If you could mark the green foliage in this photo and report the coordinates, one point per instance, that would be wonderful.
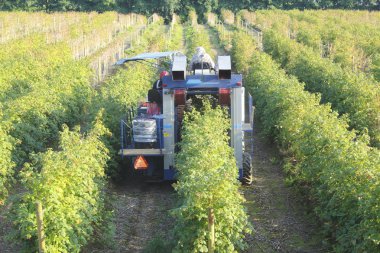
(376, 66)
(353, 94)
(46, 90)
(197, 36)
(243, 46)
(227, 16)
(25, 63)
(158, 245)
(61, 95)
(69, 179)
(6, 163)
(43, 89)
(192, 16)
(339, 169)
(349, 38)
(207, 178)
(167, 7)
(152, 40)
(69, 183)
(59, 5)
(176, 41)
(225, 35)
(352, 46)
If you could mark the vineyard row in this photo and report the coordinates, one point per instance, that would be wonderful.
(338, 169)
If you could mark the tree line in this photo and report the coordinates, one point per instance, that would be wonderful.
(167, 7)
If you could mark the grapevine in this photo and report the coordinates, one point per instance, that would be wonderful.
(323, 155)
(207, 179)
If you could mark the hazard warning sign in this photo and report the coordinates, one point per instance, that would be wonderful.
(141, 163)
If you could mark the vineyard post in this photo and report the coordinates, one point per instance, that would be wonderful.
(59, 26)
(40, 228)
(99, 69)
(103, 71)
(211, 230)
(138, 36)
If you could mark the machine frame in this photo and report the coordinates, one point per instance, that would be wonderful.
(175, 88)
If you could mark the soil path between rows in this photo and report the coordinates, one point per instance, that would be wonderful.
(141, 214)
(6, 245)
(281, 218)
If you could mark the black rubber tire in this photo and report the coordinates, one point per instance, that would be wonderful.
(247, 169)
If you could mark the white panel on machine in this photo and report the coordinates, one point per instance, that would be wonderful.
(237, 123)
(224, 67)
(242, 104)
(179, 68)
(168, 128)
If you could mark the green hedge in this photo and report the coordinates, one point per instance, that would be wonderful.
(69, 177)
(197, 36)
(69, 183)
(349, 93)
(339, 168)
(43, 88)
(207, 179)
(6, 163)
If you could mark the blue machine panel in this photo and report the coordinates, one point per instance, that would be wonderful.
(205, 81)
(169, 174)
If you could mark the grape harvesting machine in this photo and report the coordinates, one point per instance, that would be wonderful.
(149, 134)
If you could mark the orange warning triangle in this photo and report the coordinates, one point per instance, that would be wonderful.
(141, 163)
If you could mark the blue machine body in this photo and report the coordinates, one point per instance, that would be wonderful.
(168, 122)
(202, 82)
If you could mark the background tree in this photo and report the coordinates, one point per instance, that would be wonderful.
(167, 7)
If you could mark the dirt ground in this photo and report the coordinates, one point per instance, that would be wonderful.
(141, 213)
(5, 226)
(282, 221)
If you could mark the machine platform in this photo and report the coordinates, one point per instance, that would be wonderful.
(144, 152)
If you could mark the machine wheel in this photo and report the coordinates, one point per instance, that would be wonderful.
(247, 169)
